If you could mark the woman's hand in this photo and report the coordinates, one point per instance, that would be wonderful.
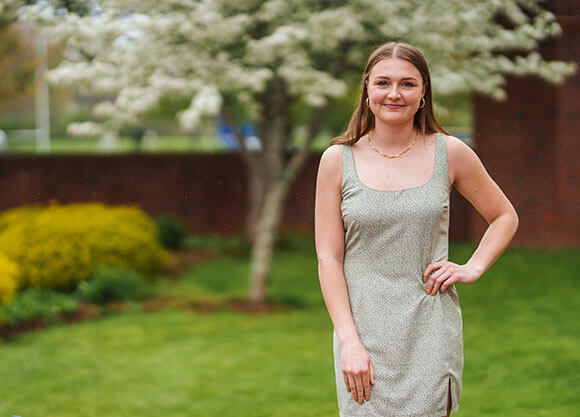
(444, 273)
(357, 370)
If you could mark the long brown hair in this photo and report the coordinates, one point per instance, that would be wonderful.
(363, 119)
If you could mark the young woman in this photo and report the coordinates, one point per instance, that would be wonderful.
(381, 220)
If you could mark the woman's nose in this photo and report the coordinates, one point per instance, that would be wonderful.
(393, 92)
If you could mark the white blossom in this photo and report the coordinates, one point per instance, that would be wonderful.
(207, 101)
(104, 109)
(85, 129)
(206, 50)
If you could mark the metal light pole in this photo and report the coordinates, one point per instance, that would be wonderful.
(41, 96)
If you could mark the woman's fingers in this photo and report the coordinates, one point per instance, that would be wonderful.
(359, 388)
(442, 274)
(446, 273)
(430, 268)
(438, 281)
(346, 381)
(432, 278)
(359, 385)
(448, 282)
(353, 388)
(372, 373)
(367, 386)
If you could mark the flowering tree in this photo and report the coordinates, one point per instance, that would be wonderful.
(257, 59)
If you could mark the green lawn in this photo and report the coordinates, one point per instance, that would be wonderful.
(521, 331)
(176, 144)
(67, 145)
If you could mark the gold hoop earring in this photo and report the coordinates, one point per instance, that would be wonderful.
(368, 103)
(422, 102)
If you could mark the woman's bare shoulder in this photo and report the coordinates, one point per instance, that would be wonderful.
(333, 152)
(330, 167)
(456, 146)
(458, 152)
(461, 159)
(332, 156)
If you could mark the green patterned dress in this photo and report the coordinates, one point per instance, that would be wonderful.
(413, 339)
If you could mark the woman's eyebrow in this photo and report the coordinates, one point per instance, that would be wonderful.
(388, 78)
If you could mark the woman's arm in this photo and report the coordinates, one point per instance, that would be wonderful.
(329, 236)
(469, 177)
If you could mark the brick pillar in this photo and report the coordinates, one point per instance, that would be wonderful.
(530, 145)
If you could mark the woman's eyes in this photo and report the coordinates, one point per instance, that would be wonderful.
(405, 84)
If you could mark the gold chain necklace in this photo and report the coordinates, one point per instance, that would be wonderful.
(390, 156)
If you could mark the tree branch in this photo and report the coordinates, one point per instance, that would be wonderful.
(248, 157)
(297, 160)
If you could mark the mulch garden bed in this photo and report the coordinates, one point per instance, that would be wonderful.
(185, 258)
(87, 311)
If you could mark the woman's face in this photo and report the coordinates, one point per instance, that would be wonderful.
(395, 88)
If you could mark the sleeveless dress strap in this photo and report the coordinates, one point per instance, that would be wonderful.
(348, 169)
(440, 171)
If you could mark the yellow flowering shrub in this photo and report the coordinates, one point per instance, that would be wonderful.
(8, 279)
(57, 246)
(17, 214)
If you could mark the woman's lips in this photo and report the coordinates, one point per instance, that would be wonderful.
(394, 106)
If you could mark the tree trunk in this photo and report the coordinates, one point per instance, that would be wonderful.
(256, 195)
(265, 239)
(270, 176)
(272, 208)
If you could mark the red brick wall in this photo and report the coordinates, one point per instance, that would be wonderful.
(530, 145)
(208, 192)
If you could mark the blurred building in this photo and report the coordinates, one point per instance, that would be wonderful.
(530, 144)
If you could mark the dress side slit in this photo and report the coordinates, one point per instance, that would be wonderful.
(449, 398)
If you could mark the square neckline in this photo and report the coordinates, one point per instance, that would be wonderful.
(436, 158)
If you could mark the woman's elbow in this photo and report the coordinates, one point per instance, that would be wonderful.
(512, 220)
(516, 221)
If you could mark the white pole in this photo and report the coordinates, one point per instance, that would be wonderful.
(41, 97)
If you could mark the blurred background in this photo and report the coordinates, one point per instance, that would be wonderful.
(157, 179)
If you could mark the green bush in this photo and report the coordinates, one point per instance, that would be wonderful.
(59, 245)
(171, 232)
(113, 283)
(32, 303)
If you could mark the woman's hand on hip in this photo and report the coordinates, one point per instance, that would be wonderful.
(357, 370)
(444, 273)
